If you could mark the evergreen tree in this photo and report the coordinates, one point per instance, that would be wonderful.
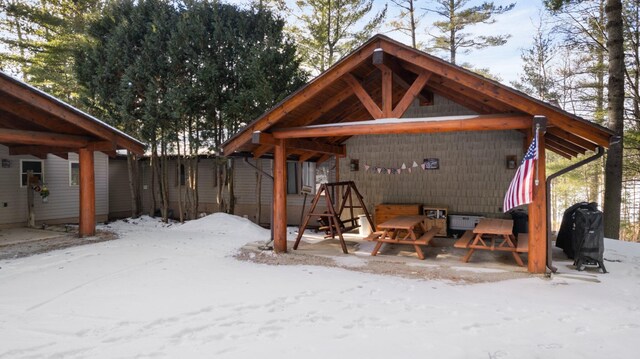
(327, 30)
(407, 20)
(457, 17)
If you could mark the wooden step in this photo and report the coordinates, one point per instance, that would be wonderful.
(374, 236)
(465, 240)
(523, 243)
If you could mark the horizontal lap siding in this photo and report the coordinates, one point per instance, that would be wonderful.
(119, 192)
(63, 199)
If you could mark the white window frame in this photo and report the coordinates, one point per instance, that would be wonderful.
(70, 172)
(21, 171)
(305, 176)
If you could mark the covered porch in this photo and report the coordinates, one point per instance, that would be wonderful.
(387, 89)
(37, 125)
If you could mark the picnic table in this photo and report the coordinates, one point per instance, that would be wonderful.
(403, 230)
(494, 235)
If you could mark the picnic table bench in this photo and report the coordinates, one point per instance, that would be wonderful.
(494, 235)
(402, 230)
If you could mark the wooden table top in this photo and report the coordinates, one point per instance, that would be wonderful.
(494, 226)
(402, 222)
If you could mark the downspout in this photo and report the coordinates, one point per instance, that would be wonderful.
(599, 153)
(266, 246)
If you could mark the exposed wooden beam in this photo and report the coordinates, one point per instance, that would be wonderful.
(501, 93)
(27, 150)
(562, 148)
(68, 114)
(387, 82)
(262, 150)
(567, 136)
(538, 217)
(326, 107)
(322, 159)
(280, 198)
(310, 90)
(363, 95)
(42, 138)
(565, 144)
(412, 125)
(267, 139)
(411, 94)
(558, 151)
(306, 156)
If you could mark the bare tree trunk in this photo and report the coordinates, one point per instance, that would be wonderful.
(220, 168)
(179, 182)
(613, 169)
(134, 185)
(232, 200)
(164, 182)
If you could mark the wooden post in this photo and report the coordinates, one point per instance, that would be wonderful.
(538, 214)
(87, 194)
(31, 213)
(280, 197)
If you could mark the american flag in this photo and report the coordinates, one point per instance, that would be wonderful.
(521, 188)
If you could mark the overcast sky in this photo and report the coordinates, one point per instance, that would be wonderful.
(503, 61)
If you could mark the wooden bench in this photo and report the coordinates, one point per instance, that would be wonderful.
(428, 236)
(374, 236)
(523, 243)
(465, 240)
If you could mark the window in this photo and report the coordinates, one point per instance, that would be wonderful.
(292, 177)
(180, 176)
(74, 173)
(36, 166)
(299, 176)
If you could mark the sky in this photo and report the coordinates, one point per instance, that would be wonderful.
(503, 61)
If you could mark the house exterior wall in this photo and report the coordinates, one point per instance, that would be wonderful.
(472, 178)
(64, 201)
(119, 192)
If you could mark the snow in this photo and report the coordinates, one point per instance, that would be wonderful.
(176, 291)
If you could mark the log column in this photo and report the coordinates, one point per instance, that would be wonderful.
(280, 197)
(87, 193)
(538, 216)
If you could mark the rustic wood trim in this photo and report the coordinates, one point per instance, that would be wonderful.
(306, 156)
(501, 93)
(411, 94)
(564, 144)
(423, 125)
(558, 151)
(280, 198)
(325, 158)
(363, 95)
(567, 136)
(87, 214)
(296, 144)
(387, 92)
(42, 138)
(538, 217)
(310, 90)
(262, 150)
(50, 106)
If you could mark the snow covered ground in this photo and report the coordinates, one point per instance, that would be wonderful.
(176, 292)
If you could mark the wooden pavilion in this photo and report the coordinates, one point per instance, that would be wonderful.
(35, 123)
(369, 91)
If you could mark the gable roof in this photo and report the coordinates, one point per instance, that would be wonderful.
(351, 91)
(34, 122)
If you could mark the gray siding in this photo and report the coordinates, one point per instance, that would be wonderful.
(63, 204)
(119, 192)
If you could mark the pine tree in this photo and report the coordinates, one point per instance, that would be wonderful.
(407, 20)
(457, 17)
(329, 29)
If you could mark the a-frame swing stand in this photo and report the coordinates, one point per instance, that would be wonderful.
(331, 218)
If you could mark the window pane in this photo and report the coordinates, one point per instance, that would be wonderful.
(74, 178)
(292, 178)
(34, 166)
(322, 176)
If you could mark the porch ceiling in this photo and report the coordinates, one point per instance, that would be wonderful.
(35, 123)
(379, 80)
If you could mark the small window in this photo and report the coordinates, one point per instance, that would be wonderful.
(74, 173)
(181, 176)
(292, 178)
(36, 166)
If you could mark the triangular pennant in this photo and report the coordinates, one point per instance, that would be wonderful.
(414, 164)
(388, 171)
(378, 169)
(366, 167)
(424, 166)
(404, 167)
(409, 169)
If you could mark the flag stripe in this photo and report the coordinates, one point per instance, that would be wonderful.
(520, 189)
